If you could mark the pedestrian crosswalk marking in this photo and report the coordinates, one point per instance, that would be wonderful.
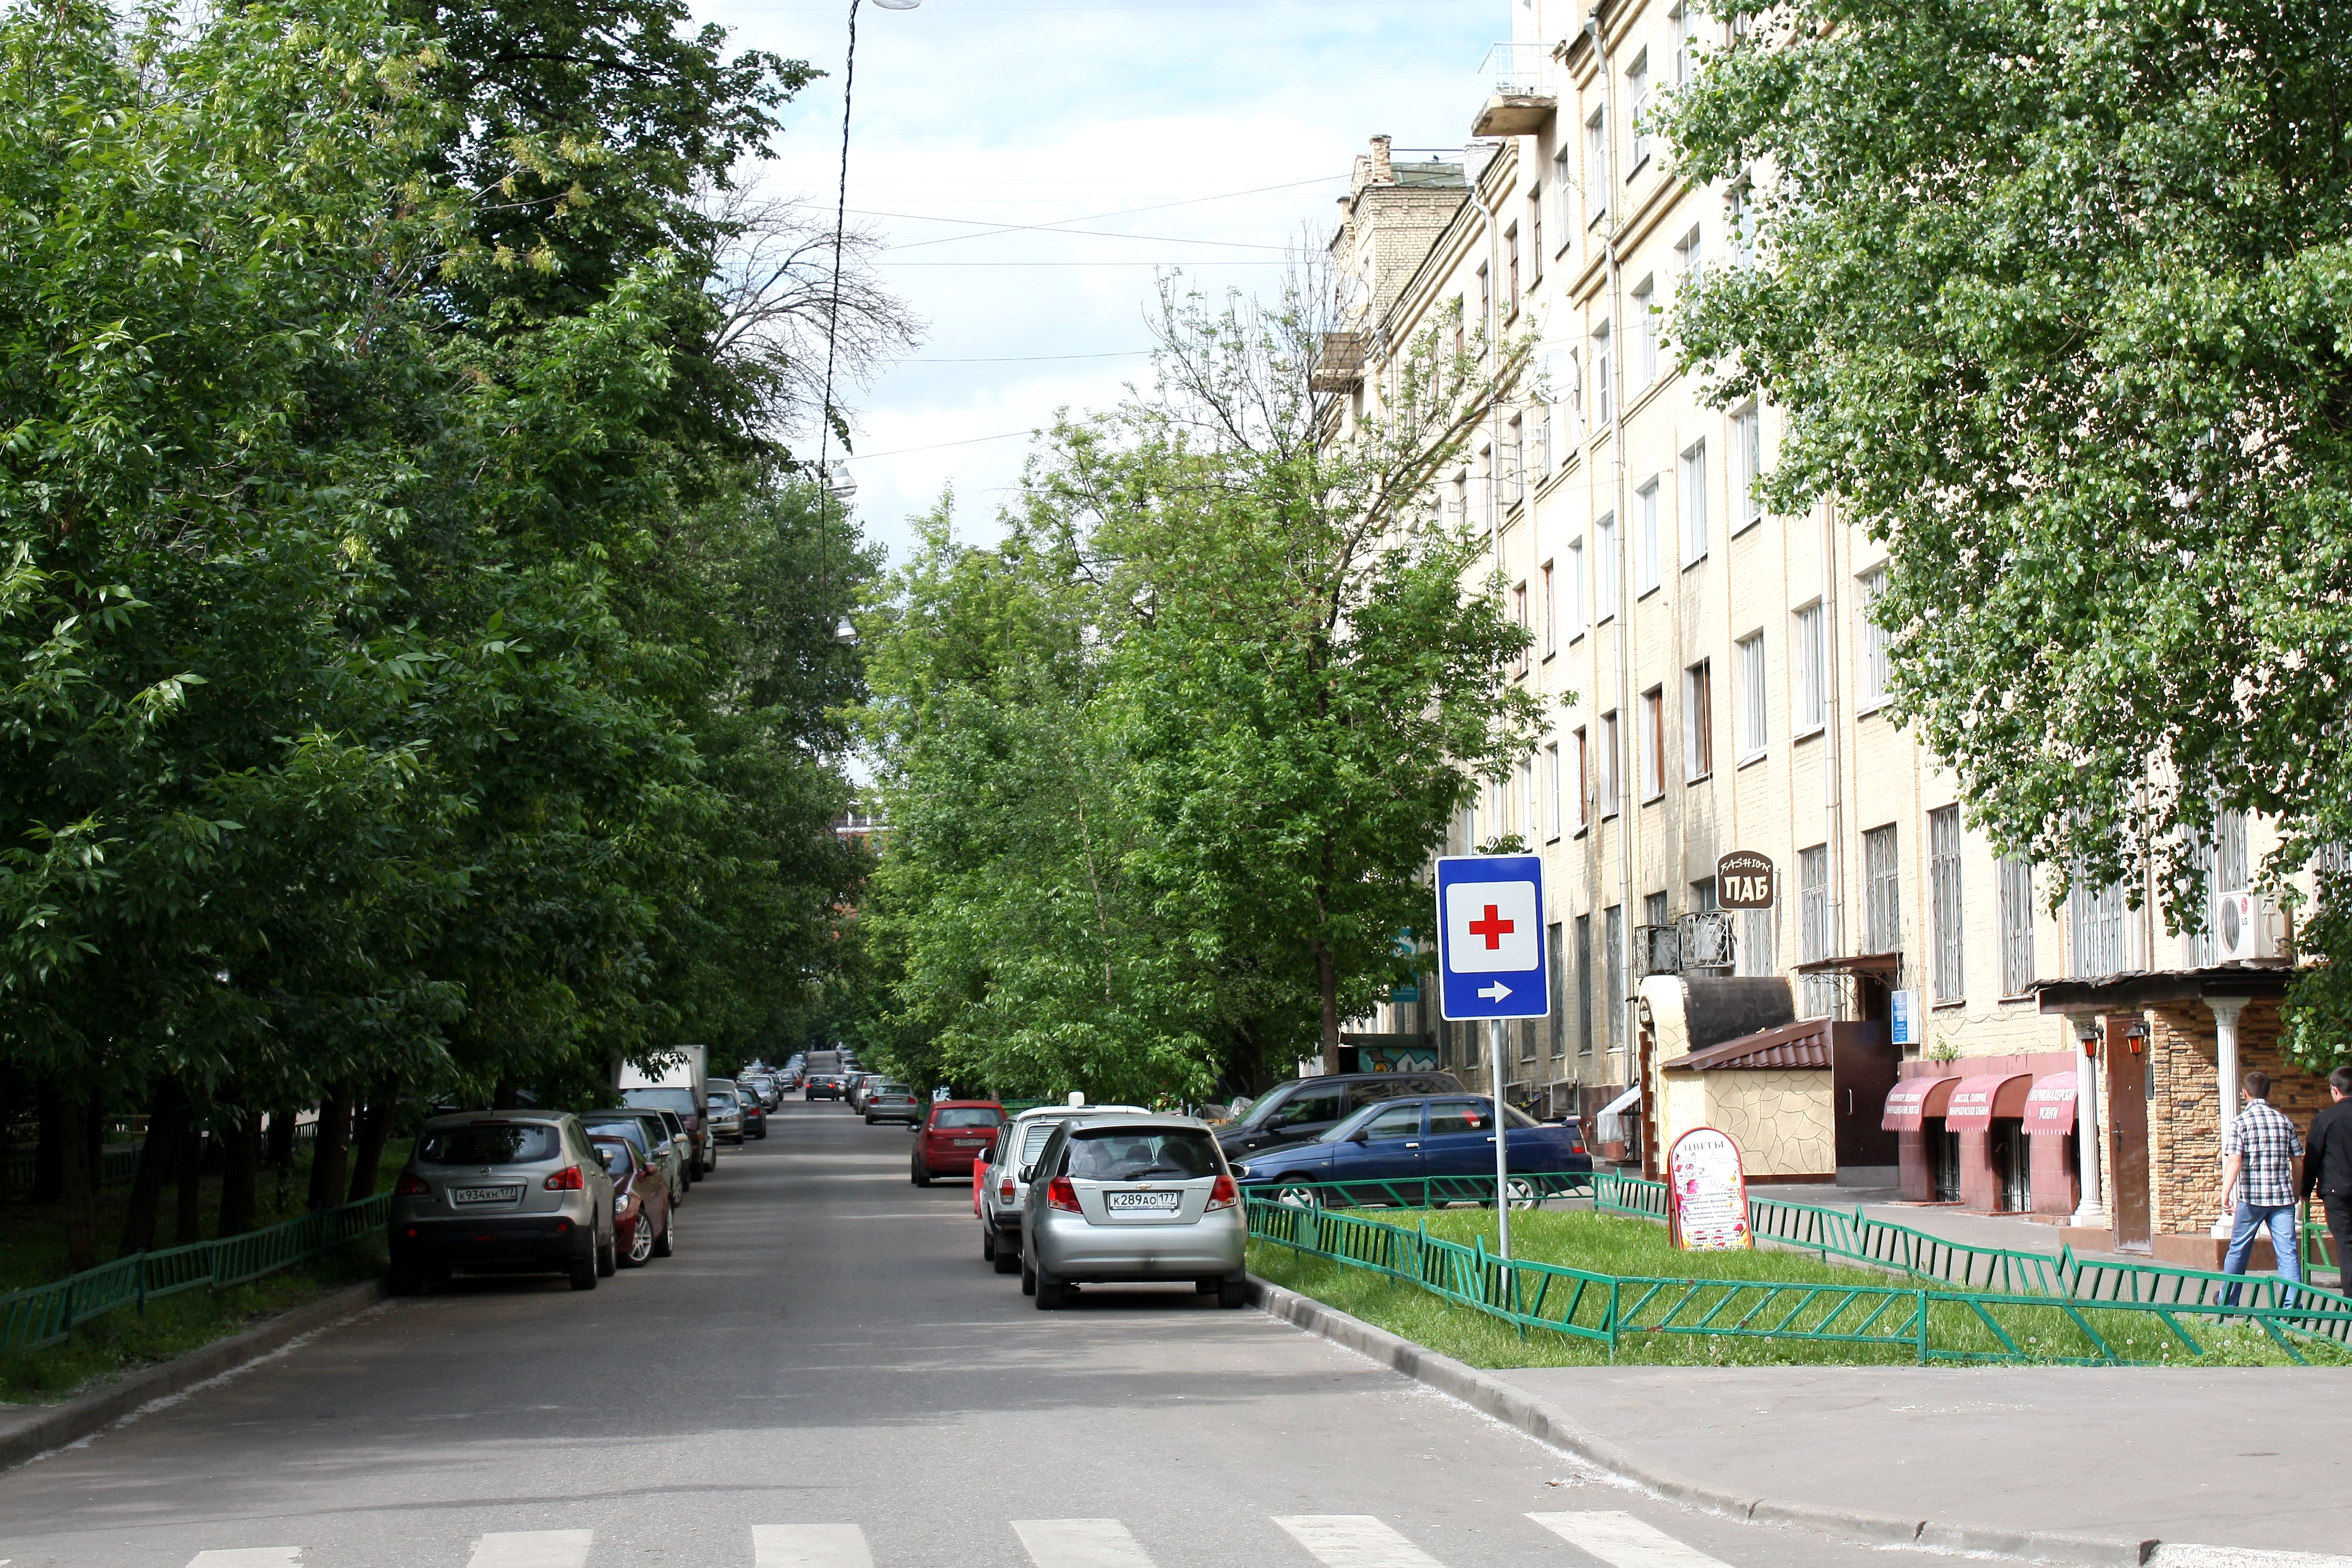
(533, 1549)
(1080, 1544)
(249, 1557)
(809, 1546)
(1623, 1541)
(1354, 1541)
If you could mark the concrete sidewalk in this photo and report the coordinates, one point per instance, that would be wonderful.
(2247, 1458)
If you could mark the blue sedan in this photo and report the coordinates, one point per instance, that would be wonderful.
(1438, 1149)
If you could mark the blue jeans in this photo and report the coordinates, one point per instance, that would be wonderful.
(2250, 1222)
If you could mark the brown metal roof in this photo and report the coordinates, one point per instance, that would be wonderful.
(1804, 1043)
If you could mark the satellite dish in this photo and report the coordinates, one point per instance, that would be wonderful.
(897, 4)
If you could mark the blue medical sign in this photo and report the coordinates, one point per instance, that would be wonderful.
(1490, 937)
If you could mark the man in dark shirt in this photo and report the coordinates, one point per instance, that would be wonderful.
(2328, 1168)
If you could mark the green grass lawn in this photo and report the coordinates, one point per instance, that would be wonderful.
(1610, 1245)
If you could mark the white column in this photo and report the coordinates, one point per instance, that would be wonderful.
(2092, 1211)
(2225, 1052)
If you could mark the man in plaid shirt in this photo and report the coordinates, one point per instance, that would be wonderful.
(2261, 1176)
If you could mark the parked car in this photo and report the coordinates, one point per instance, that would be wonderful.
(1299, 1109)
(861, 1084)
(893, 1102)
(702, 1142)
(765, 1086)
(1435, 1150)
(954, 1134)
(642, 1216)
(1132, 1198)
(1002, 1186)
(824, 1085)
(755, 1115)
(501, 1192)
(726, 1112)
(684, 1142)
(647, 1131)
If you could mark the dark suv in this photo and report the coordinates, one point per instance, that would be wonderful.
(1298, 1108)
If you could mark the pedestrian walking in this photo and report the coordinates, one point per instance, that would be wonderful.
(2262, 1177)
(2328, 1169)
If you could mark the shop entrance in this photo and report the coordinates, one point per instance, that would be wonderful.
(2012, 1165)
(1943, 1159)
(2126, 1085)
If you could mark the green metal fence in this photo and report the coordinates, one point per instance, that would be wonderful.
(45, 1314)
(1923, 1323)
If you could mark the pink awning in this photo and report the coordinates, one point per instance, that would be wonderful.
(1909, 1101)
(1979, 1100)
(2050, 1104)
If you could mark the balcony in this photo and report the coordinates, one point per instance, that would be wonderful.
(1339, 363)
(1522, 93)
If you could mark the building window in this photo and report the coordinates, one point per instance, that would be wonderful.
(1612, 965)
(1815, 938)
(1584, 986)
(1576, 589)
(1604, 375)
(1534, 236)
(1596, 166)
(1512, 462)
(1683, 27)
(1605, 766)
(1653, 909)
(1751, 739)
(1557, 954)
(1551, 790)
(1944, 893)
(2098, 922)
(1637, 100)
(1688, 261)
(1551, 612)
(1653, 743)
(1604, 567)
(2228, 870)
(1486, 301)
(1645, 539)
(1563, 180)
(1698, 723)
(1757, 952)
(1747, 467)
(1583, 779)
(1808, 673)
(1881, 892)
(1874, 639)
(1528, 817)
(1511, 269)
(1694, 503)
(1645, 334)
(2016, 925)
(1519, 618)
(1740, 223)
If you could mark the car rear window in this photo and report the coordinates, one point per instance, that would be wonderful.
(969, 1116)
(723, 1100)
(505, 1143)
(633, 1129)
(1124, 1154)
(678, 1101)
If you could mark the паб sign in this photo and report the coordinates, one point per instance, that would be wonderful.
(1706, 1193)
(1744, 880)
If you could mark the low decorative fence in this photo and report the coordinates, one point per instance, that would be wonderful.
(45, 1314)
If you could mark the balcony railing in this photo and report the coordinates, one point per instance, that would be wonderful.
(1518, 70)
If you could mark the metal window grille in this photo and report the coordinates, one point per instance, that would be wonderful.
(2098, 929)
(1613, 966)
(1881, 892)
(1944, 880)
(1584, 986)
(1815, 938)
(1557, 938)
(2016, 925)
(1760, 942)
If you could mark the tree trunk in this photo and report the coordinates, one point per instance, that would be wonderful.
(240, 1140)
(49, 1150)
(78, 1181)
(375, 1127)
(503, 1098)
(1326, 986)
(188, 1222)
(331, 1153)
(167, 1120)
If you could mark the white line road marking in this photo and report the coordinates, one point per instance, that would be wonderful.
(1080, 1544)
(2186, 1554)
(809, 1546)
(1623, 1541)
(1354, 1541)
(245, 1557)
(533, 1549)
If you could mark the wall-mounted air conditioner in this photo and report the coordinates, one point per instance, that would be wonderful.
(2244, 927)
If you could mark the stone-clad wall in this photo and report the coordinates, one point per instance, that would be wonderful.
(1782, 1120)
(2184, 1118)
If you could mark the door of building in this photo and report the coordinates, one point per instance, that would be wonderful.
(2012, 1165)
(1943, 1159)
(2126, 1087)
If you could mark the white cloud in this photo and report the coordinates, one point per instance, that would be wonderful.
(1046, 113)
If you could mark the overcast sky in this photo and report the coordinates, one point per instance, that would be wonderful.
(1096, 114)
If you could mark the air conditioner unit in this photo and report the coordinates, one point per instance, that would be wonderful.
(2242, 928)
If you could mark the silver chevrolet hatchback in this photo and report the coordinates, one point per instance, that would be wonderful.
(501, 1192)
(1132, 1198)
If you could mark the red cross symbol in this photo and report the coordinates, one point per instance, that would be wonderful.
(1494, 928)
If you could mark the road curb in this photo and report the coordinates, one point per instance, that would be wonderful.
(77, 1418)
(1547, 1424)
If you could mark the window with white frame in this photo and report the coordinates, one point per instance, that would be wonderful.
(1694, 500)
(1807, 672)
(1739, 224)
(1604, 567)
(1747, 467)
(1596, 166)
(1604, 766)
(1535, 234)
(1816, 936)
(1573, 586)
(1684, 26)
(1688, 261)
(1485, 299)
(1582, 757)
(1881, 892)
(1551, 611)
(2016, 924)
(1604, 375)
(1698, 721)
(1874, 672)
(1553, 818)
(1645, 334)
(1751, 733)
(1637, 102)
(1512, 481)
(1540, 450)
(1563, 183)
(1645, 538)
(1944, 897)
(1530, 817)
(1653, 743)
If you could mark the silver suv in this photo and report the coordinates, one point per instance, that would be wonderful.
(1003, 1187)
(501, 1192)
(1132, 1198)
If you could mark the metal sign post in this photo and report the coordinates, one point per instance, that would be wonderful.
(1492, 965)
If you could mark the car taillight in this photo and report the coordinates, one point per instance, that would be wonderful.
(1224, 1194)
(1577, 1147)
(1060, 1195)
(412, 1186)
(567, 1180)
(1004, 1192)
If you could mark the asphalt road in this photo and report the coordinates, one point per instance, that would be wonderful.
(827, 1376)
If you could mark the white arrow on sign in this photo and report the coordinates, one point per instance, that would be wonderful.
(1496, 992)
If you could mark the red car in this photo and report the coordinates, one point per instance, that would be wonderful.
(955, 1133)
(641, 1211)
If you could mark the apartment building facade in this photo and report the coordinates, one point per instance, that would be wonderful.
(1716, 686)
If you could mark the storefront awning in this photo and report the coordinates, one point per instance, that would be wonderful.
(1623, 1102)
(1913, 1100)
(2050, 1104)
(1980, 1099)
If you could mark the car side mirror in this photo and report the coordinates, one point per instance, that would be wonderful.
(1361, 1135)
(1026, 1171)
